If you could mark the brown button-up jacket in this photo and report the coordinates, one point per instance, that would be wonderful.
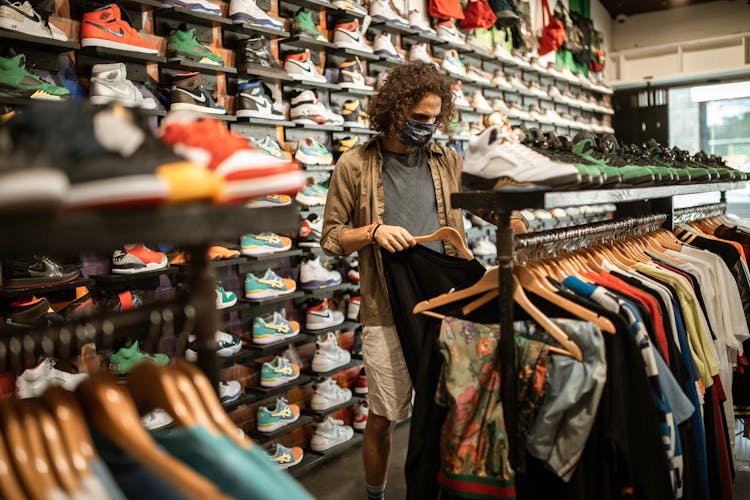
(355, 199)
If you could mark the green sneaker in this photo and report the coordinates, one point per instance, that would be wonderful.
(127, 358)
(183, 44)
(626, 174)
(481, 39)
(303, 24)
(17, 81)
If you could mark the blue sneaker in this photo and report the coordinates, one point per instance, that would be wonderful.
(312, 196)
(270, 147)
(268, 286)
(312, 152)
(281, 415)
(276, 329)
(264, 244)
(278, 372)
(285, 457)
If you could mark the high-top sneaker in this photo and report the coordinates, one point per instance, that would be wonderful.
(253, 102)
(321, 316)
(256, 52)
(347, 35)
(203, 6)
(418, 52)
(384, 47)
(418, 22)
(188, 93)
(300, 67)
(303, 24)
(109, 27)
(249, 12)
(448, 31)
(384, 10)
(329, 394)
(183, 44)
(310, 231)
(353, 114)
(109, 83)
(17, 81)
(361, 412)
(21, 16)
(306, 108)
(350, 76)
(329, 355)
(352, 307)
(329, 433)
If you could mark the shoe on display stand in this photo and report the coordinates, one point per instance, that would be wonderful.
(253, 102)
(351, 6)
(329, 355)
(453, 64)
(352, 307)
(329, 433)
(188, 93)
(268, 330)
(229, 391)
(448, 31)
(256, 51)
(306, 108)
(418, 52)
(267, 286)
(227, 345)
(36, 271)
(278, 372)
(344, 144)
(312, 152)
(271, 200)
(249, 12)
(351, 77)
(320, 317)
(310, 231)
(312, 196)
(34, 381)
(156, 419)
(109, 83)
(303, 24)
(137, 258)
(284, 457)
(265, 243)
(109, 27)
(348, 36)
(273, 148)
(127, 358)
(361, 412)
(21, 16)
(419, 22)
(202, 6)
(17, 81)
(300, 67)
(183, 44)
(360, 383)
(384, 10)
(224, 299)
(313, 275)
(354, 115)
(383, 46)
(329, 394)
(272, 418)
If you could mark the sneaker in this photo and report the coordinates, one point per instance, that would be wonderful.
(256, 52)
(227, 345)
(418, 52)
(306, 108)
(459, 99)
(352, 307)
(500, 106)
(124, 301)
(384, 10)
(453, 64)
(354, 115)
(284, 457)
(271, 419)
(321, 317)
(312, 152)
(499, 80)
(21, 16)
(30, 311)
(476, 74)
(347, 36)
(310, 197)
(268, 330)
(188, 93)
(448, 31)
(156, 419)
(109, 84)
(313, 275)
(217, 252)
(353, 275)
(268, 286)
(183, 44)
(310, 231)
(128, 358)
(329, 394)
(224, 299)
(300, 67)
(303, 24)
(419, 22)
(329, 355)
(248, 11)
(351, 6)
(480, 39)
(17, 81)
(483, 247)
(357, 342)
(109, 27)
(479, 103)
(361, 412)
(518, 84)
(344, 144)
(360, 383)
(278, 372)
(229, 391)
(383, 46)
(491, 156)
(329, 433)
(272, 148)
(203, 6)
(265, 243)
(34, 381)
(253, 102)
(271, 200)
(351, 77)
(137, 258)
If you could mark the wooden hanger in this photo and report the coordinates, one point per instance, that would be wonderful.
(450, 235)
(486, 283)
(113, 413)
(10, 483)
(40, 472)
(72, 424)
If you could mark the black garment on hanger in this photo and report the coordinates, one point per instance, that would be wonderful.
(411, 276)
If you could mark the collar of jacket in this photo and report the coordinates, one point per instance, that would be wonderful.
(374, 142)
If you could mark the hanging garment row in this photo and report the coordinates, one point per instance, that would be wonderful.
(626, 341)
(91, 444)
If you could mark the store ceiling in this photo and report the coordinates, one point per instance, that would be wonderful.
(630, 7)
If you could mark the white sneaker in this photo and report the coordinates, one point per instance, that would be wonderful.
(109, 83)
(518, 84)
(447, 31)
(321, 317)
(34, 381)
(499, 80)
(227, 345)
(492, 156)
(502, 53)
(554, 93)
(306, 108)
(516, 111)
(329, 433)
(536, 90)
(17, 16)
(477, 74)
(459, 99)
(329, 355)
(384, 47)
(418, 52)
(383, 10)
(361, 413)
(499, 105)
(329, 394)
(352, 307)
(348, 35)
(157, 419)
(300, 67)
(420, 23)
(479, 103)
(229, 390)
(483, 247)
(249, 12)
(453, 64)
(312, 275)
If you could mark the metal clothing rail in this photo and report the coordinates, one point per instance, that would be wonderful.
(691, 214)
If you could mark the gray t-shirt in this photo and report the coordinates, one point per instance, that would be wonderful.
(409, 193)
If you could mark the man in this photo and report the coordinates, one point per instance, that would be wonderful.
(383, 193)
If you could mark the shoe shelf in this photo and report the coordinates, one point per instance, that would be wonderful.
(274, 300)
(321, 128)
(42, 290)
(262, 437)
(307, 42)
(391, 27)
(122, 55)
(351, 364)
(241, 358)
(310, 460)
(259, 72)
(339, 12)
(328, 291)
(21, 101)
(340, 448)
(265, 122)
(319, 414)
(244, 399)
(148, 280)
(345, 326)
(356, 91)
(420, 37)
(518, 198)
(465, 109)
(265, 350)
(191, 16)
(360, 131)
(105, 230)
(274, 256)
(239, 306)
(223, 118)
(187, 65)
(143, 3)
(307, 84)
(215, 264)
(250, 29)
(309, 4)
(21, 38)
(483, 54)
(390, 61)
(346, 51)
(266, 393)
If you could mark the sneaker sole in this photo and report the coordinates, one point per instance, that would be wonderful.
(277, 383)
(246, 18)
(37, 282)
(266, 294)
(195, 7)
(274, 339)
(101, 100)
(304, 78)
(246, 113)
(306, 159)
(313, 285)
(327, 368)
(32, 188)
(195, 59)
(198, 108)
(118, 191)
(317, 446)
(309, 201)
(360, 390)
(278, 425)
(315, 407)
(315, 327)
(352, 85)
(290, 464)
(263, 251)
(287, 183)
(151, 266)
(109, 44)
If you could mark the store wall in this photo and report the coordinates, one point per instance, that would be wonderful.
(604, 23)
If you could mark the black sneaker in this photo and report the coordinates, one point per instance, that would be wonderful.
(253, 102)
(38, 271)
(256, 53)
(32, 312)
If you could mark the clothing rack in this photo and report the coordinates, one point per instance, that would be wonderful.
(691, 214)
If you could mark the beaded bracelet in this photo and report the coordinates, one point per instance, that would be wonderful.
(370, 229)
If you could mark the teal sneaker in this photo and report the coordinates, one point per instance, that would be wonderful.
(278, 372)
(272, 419)
(284, 457)
(271, 200)
(303, 24)
(224, 299)
(268, 286)
(275, 329)
(128, 358)
(265, 243)
(270, 147)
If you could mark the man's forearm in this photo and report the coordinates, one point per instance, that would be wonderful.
(353, 239)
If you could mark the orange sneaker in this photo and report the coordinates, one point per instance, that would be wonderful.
(105, 27)
(222, 253)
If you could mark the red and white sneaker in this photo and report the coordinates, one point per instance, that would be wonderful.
(352, 307)
(109, 27)
(360, 384)
(137, 258)
(246, 172)
(361, 411)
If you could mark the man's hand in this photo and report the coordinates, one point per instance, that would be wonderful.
(394, 238)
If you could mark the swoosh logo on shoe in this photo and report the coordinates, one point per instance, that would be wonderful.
(326, 315)
(261, 101)
(33, 16)
(199, 98)
(353, 35)
(119, 33)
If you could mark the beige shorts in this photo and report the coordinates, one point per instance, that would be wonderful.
(388, 381)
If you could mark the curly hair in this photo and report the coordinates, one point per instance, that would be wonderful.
(405, 86)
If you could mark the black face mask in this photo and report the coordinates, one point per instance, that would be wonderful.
(416, 134)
